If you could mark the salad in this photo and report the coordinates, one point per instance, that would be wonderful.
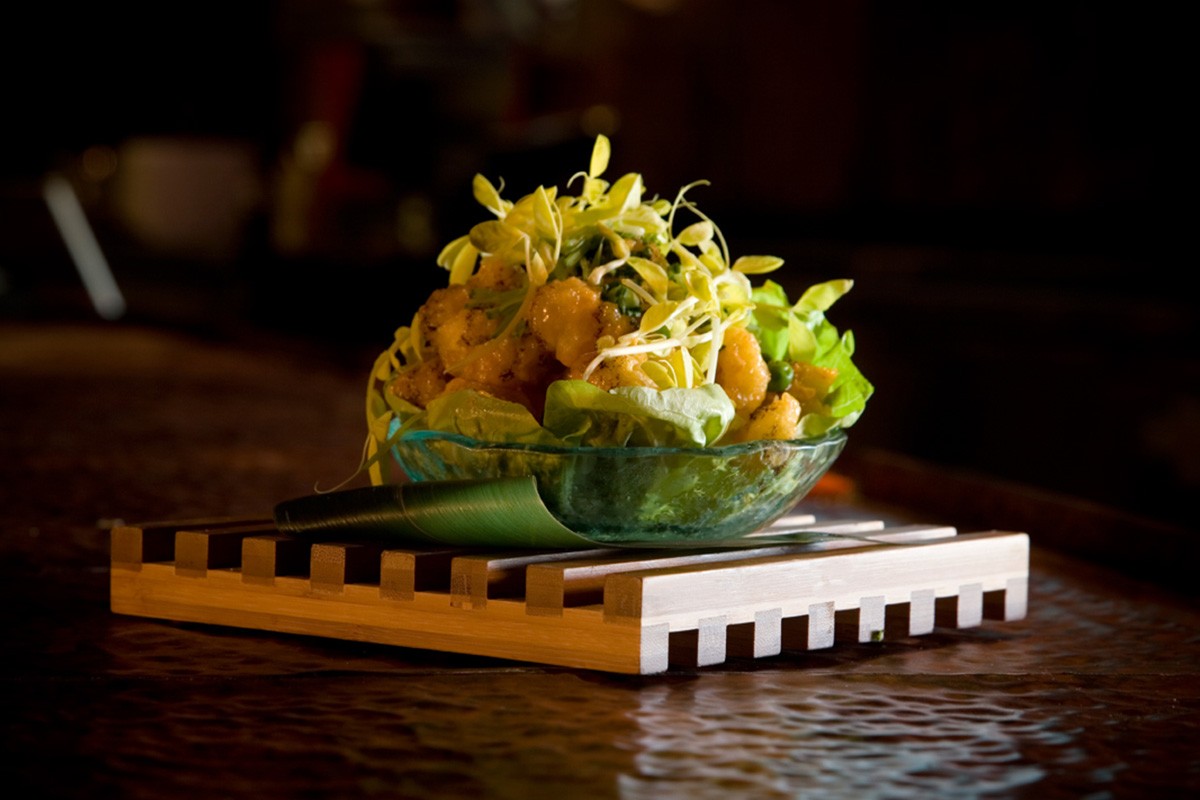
(607, 319)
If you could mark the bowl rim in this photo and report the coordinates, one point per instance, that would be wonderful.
(836, 436)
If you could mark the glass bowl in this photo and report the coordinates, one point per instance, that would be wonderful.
(642, 494)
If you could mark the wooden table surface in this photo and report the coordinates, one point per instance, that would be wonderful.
(1095, 694)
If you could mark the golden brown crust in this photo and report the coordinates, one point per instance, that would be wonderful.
(741, 371)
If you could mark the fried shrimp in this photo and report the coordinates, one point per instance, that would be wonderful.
(777, 418)
(741, 370)
(421, 383)
(565, 316)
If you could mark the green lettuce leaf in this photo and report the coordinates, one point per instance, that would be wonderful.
(481, 417)
(770, 320)
(581, 413)
(801, 332)
(848, 395)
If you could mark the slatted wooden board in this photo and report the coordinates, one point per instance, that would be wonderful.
(625, 611)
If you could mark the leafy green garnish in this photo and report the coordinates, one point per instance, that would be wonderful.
(801, 333)
(579, 413)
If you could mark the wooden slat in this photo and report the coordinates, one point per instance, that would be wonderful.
(680, 596)
(154, 542)
(792, 519)
(1010, 604)
(908, 534)
(913, 617)
(198, 551)
(864, 623)
(814, 629)
(841, 526)
(335, 564)
(403, 573)
(476, 578)
(922, 604)
(265, 558)
(962, 609)
(550, 587)
(703, 646)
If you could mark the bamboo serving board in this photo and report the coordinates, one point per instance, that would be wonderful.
(626, 611)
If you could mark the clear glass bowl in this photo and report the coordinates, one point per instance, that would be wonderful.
(644, 494)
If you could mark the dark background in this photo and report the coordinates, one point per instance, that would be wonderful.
(1004, 182)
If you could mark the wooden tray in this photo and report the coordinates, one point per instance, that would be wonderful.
(626, 611)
